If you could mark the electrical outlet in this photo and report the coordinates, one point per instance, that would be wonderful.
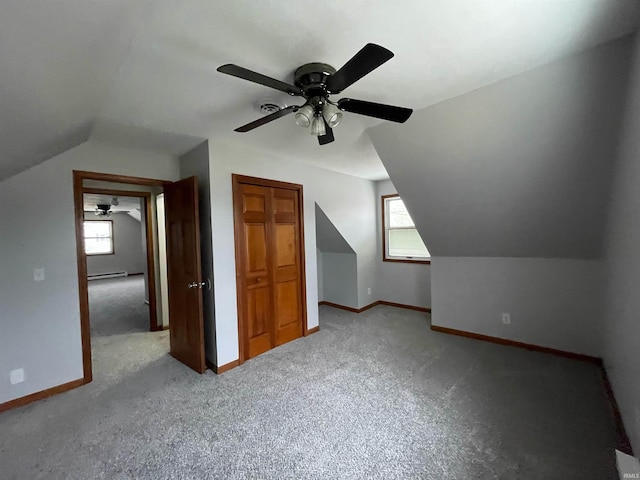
(16, 376)
(38, 274)
(369, 291)
(506, 319)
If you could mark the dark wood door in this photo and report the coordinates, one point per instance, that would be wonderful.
(186, 331)
(269, 266)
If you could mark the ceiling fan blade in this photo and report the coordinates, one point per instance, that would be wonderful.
(255, 77)
(269, 118)
(377, 110)
(327, 137)
(370, 57)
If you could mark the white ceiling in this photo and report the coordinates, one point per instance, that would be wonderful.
(143, 72)
(125, 204)
(58, 63)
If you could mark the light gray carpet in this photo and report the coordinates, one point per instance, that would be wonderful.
(116, 305)
(376, 395)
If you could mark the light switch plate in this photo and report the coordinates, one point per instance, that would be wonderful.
(38, 274)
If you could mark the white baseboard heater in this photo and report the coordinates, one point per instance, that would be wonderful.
(99, 276)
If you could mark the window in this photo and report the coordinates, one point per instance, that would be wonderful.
(98, 237)
(401, 240)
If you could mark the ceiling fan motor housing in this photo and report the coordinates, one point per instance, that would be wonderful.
(312, 78)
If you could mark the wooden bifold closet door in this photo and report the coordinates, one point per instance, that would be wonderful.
(269, 264)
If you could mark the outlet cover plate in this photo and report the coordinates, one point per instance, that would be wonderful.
(16, 376)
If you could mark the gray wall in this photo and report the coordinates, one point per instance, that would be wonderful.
(406, 283)
(128, 249)
(196, 163)
(621, 320)
(340, 278)
(555, 303)
(338, 266)
(40, 321)
(521, 168)
(143, 238)
(348, 201)
(319, 275)
(163, 291)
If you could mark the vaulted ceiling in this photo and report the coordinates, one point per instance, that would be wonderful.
(520, 168)
(143, 72)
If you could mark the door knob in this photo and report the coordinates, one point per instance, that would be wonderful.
(197, 284)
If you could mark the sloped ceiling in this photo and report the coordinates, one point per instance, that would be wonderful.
(145, 69)
(58, 63)
(520, 168)
(328, 238)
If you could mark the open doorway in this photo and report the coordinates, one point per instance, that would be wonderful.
(119, 252)
(118, 244)
(121, 231)
(118, 294)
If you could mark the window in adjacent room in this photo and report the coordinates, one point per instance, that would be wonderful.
(401, 240)
(98, 237)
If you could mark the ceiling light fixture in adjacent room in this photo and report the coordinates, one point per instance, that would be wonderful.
(103, 210)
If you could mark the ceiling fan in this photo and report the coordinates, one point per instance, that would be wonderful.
(104, 209)
(315, 82)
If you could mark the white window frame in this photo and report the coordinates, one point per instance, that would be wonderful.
(110, 237)
(385, 236)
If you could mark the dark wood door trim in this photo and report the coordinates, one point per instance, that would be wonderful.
(83, 288)
(108, 177)
(264, 182)
(237, 180)
(83, 291)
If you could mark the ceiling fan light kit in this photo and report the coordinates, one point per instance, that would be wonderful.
(331, 114)
(315, 82)
(317, 126)
(305, 115)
